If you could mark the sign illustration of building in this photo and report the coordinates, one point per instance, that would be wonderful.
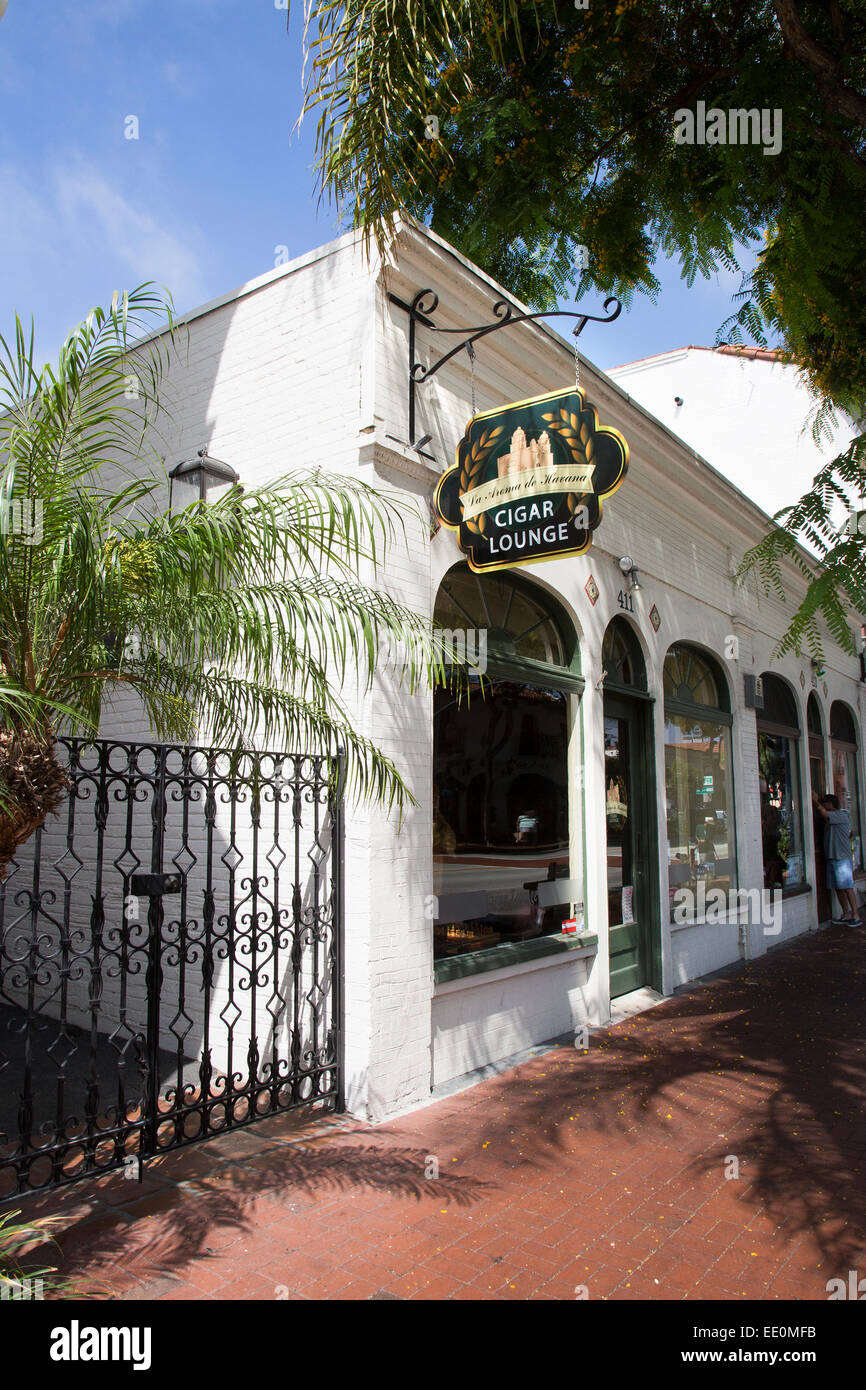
(524, 457)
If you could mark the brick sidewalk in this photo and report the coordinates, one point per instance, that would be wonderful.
(601, 1171)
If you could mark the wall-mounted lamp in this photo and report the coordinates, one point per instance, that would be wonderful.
(629, 569)
(191, 481)
(818, 668)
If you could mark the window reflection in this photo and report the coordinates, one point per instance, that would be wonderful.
(699, 805)
(698, 788)
(845, 787)
(516, 623)
(779, 785)
(781, 833)
(618, 803)
(500, 806)
(843, 744)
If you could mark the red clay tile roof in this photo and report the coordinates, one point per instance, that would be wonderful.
(731, 349)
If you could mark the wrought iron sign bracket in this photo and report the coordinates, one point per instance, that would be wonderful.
(426, 302)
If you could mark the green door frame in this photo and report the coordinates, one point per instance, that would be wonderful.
(638, 710)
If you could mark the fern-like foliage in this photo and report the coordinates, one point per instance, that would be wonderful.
(238, 620)
(554, 129)
(836, 578)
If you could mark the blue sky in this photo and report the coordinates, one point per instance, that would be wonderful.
(216, 180)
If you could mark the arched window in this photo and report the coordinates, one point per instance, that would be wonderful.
(842, 726)
(698, 784)
(846, 783)
(522, 623)
(778, 728)
(780, 706)
(622, 659)
(691, 678)
(814, 722)
(501, 845)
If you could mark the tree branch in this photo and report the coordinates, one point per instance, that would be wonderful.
(684, 94)
(827, 70)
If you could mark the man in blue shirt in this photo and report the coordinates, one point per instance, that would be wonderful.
(840, 863)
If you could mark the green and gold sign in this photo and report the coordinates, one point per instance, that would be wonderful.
(529, 480)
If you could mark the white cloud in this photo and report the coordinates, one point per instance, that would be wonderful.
(131, 235)
(114, 12)
(69, 238)
(186, 80)
(28, 227)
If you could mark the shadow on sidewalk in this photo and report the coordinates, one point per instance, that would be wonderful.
(221, 1198)
(775, 1050)
(767, 1063)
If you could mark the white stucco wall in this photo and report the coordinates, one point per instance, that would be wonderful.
(749, 417)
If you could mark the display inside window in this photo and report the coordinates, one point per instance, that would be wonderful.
(845, 787)
(500, 808)
(700, 812)
(619, 819)
(698, 786)
(781, 821)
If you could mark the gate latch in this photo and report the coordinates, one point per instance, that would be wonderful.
(154, 885)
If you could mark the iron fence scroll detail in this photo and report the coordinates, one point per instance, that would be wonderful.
(170, 956)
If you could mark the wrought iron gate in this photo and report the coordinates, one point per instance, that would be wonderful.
(170, 956)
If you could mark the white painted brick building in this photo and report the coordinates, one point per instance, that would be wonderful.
(309, 365)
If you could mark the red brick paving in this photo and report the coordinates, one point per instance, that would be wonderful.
(603, 1169)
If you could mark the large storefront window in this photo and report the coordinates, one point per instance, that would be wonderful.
(846, 784)
(625, 677)
(698, 788)
(501, 844)
(779, 786)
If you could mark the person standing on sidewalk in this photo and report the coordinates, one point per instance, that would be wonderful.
(840, 861)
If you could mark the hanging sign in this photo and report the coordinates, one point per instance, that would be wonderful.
(529, 480)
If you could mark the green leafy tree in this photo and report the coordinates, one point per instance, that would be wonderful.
(556, 130)
(237, 619)
(553, 128)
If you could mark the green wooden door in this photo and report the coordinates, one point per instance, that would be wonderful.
(630, 840)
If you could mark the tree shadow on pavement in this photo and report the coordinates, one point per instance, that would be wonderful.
(173, 1225)
(766, 1064)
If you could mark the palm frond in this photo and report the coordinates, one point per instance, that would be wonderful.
(243, 620)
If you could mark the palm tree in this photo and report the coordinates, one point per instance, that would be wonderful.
(235, 620)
